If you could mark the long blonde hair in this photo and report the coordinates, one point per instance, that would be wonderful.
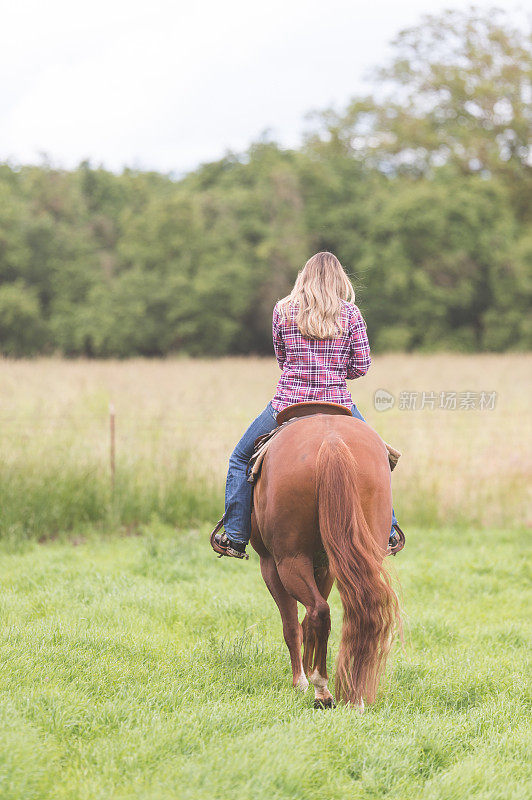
(317, 296)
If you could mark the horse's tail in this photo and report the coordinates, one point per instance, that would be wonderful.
(371, 608)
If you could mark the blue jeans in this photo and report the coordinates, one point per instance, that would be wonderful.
(237, 517)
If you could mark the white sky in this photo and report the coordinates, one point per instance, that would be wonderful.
(167, 84)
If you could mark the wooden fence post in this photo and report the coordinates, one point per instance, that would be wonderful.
(112, 451)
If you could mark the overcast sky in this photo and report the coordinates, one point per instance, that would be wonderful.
(166, 85)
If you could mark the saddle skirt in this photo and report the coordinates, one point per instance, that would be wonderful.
(292, 414)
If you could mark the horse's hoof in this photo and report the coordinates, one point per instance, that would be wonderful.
(302, 684)
(328, 703)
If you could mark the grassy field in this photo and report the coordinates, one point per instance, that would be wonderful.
(143, 667)
(134, 664)
(178, 420)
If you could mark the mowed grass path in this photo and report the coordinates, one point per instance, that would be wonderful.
(143, 667)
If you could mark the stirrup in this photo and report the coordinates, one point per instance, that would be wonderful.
(222, 544)
(398, 538)
(214, 544)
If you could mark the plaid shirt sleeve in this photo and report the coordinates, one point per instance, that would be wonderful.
(359, 354)
(278, 344)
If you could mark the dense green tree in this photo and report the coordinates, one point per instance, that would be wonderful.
(435, 255)
(22, 329)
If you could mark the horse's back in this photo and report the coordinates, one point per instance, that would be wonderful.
(286, 502)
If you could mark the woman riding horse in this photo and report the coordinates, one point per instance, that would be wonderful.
(320, 340)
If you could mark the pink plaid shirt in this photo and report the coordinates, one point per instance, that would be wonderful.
(317, 369)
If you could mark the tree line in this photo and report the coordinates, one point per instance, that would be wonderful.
(422, 189)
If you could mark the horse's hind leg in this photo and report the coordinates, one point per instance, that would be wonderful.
(297, 575)
(288, 609)
(324, 582)
(318, 676)
(309, 643)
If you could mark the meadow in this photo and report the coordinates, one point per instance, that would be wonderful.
(134, 664)
(144, 667)
(177, 421)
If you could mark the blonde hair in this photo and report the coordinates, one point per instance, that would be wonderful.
(317, 296)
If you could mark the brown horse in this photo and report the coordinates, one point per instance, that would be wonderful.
(322, 511)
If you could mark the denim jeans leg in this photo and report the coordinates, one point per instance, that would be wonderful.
(356, 413)
(237, 517)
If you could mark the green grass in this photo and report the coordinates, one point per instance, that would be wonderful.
(143, 667)
(54, 495)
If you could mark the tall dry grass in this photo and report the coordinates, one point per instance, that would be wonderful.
(177, 421)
